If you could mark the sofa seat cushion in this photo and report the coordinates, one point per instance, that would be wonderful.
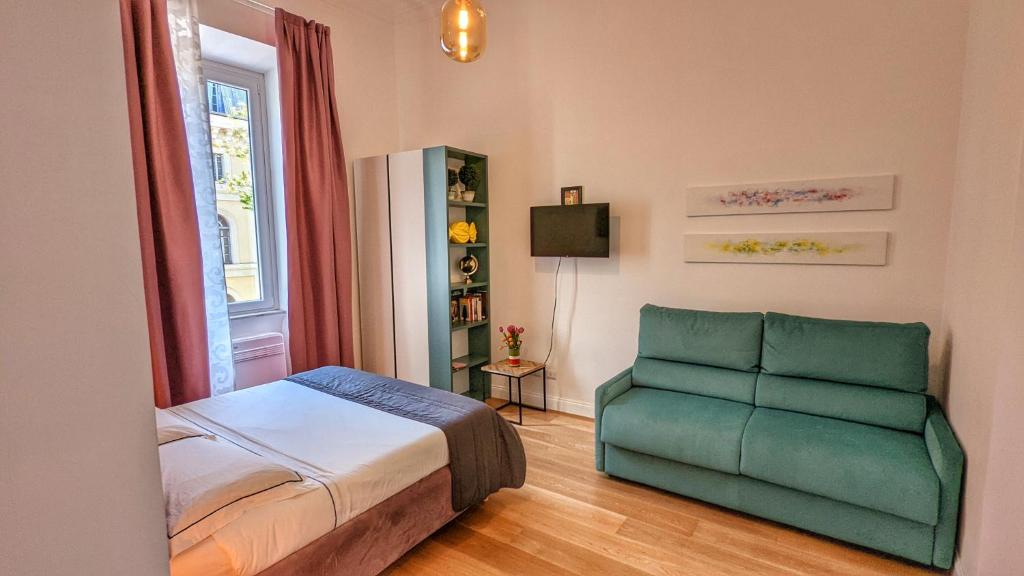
(877, 468)
(683, 427)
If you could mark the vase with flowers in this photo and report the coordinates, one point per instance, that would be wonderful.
(512, 338)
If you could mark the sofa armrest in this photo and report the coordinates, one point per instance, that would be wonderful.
(604, 394)
(948, 460)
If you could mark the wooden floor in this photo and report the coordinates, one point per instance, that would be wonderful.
(570, 519)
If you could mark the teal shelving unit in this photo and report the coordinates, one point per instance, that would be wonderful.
(451, 340)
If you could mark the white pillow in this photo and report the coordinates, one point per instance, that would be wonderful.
(171, 427)
(209, 482)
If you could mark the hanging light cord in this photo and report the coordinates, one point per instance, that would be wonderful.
(554, 310)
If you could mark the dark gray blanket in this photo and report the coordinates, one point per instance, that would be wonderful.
(485, 452)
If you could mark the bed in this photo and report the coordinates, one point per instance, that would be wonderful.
(328, 472)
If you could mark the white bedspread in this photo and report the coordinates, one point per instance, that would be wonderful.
(361, 457)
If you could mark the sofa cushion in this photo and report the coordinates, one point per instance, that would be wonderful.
(864, 404)
(723, 339)
(682, 427)
(868, 466)
(867, 353)
(695, 379)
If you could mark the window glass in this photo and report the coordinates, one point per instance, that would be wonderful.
(231, 136)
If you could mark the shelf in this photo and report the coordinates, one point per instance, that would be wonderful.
(468, 245)
(463, 285)
(460, 203)
(459, 154)
(470, 361)
(456, 326)
(474, 394)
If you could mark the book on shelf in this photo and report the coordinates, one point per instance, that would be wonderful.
(458, 365)
(469, 307)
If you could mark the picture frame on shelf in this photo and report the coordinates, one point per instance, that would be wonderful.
(572, 195)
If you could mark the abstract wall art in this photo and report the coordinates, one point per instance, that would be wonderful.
(823, 195)
(849, 248)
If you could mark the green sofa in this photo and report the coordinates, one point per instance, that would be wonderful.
(821, 424)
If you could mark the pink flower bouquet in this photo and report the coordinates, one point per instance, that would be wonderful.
(511, 338)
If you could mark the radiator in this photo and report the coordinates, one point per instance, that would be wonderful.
(259, 359)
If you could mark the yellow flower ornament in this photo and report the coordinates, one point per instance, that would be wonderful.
(462, 232)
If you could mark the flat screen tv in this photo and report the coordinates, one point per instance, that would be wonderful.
(579, 231)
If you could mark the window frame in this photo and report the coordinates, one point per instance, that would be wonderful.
(266, 246)
(218, 167)
(227, 242)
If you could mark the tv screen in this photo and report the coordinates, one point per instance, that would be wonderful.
(579, 231)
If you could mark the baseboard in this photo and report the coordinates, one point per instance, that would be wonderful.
(556, 403)
(958, 567)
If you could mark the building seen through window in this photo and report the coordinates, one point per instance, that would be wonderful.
(231, 138)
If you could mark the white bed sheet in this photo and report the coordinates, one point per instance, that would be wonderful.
(359, 455)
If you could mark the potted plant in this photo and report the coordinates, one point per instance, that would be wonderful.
(470, 178)
(511, 338)
(453, 185)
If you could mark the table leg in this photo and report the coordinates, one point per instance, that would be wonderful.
(509, 401)
(519, 384)
(544, 390)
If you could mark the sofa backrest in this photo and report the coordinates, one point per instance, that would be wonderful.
(869, 372)
(863, 404)
(879, 354)
(695, 379)
(713, 354)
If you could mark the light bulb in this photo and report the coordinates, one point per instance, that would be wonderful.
(463, 30)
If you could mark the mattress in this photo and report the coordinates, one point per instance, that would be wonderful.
(351, 458)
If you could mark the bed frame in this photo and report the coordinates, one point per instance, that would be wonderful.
(372, 541)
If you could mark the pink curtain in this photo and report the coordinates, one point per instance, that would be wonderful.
(316, 198)
(172, 270)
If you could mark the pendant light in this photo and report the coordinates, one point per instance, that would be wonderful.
(463, 30)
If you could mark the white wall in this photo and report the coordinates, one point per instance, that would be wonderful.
(79, 474)
(985, 277)
(636, 100)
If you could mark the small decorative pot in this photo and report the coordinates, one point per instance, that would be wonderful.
(468, 195)
(513, 358)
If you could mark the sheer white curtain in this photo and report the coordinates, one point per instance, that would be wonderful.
(184, 23)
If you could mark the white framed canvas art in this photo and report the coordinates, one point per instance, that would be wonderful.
(821, 195)
(841, 248)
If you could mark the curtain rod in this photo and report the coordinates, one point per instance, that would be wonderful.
(258, 6)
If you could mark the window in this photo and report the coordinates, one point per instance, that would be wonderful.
(224, 98)
(238, 136)
(224, 228)
(215, 99)
(218, 167)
